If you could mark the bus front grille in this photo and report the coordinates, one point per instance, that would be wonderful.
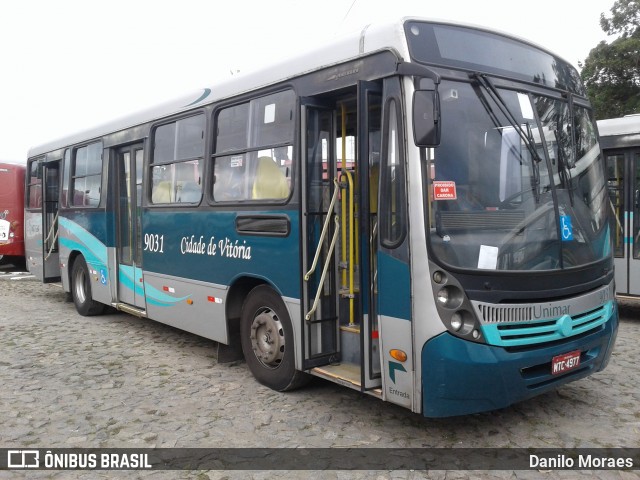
(516, 326)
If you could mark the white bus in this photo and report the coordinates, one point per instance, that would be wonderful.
(620, 143)
(417, 212)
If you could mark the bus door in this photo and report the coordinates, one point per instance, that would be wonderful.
(41, 219)
(129, 162)
(320, 235)
(623, 170)
(340, 140)
(51, 190)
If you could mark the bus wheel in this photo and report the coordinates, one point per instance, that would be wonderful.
(81, 290)
(267, 340)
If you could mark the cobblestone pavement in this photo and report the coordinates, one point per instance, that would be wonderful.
(119, 381)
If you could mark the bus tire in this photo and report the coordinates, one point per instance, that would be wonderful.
(81, 290)
(267, 340)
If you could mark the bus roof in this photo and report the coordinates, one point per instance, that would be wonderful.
(371, 38)
(11, 166)
(621, 132)
(626, 125)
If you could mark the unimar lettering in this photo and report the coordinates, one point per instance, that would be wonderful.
(550, 312)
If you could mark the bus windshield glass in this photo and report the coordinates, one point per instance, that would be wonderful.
(517, 182)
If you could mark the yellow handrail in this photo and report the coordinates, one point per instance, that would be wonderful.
(349, 261)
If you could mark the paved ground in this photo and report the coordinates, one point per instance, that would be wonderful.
(119, 381)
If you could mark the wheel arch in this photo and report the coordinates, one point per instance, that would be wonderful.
(283, 376)
(65, 272)
(238, 292)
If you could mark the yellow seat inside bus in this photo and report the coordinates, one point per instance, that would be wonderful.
(270, 181)
(162, 192)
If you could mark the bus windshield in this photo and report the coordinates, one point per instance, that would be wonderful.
(517, 182)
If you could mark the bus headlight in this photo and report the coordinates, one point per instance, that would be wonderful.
(455, 310)
(456, 321)
(450, 296)
(443, 296)
(463, 323)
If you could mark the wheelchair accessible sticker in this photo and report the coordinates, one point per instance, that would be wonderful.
(566, 230)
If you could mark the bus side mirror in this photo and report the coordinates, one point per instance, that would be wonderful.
(426, 118)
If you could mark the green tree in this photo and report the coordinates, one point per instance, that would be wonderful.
(611, 72)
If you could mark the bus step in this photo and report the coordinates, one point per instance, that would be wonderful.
(130, 309)
(350, 343)
(346, 374)
(355, 328)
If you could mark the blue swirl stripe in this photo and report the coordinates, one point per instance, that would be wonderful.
(95, 254)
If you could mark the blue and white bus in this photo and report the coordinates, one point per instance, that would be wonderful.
(417, 212)
(620, 144)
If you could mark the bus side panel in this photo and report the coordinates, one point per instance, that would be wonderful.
(14, 245)
(394, 303)
(85, 233)
(208, 246)
(195, 307)
(192, 257)
(33, 243)
(12, 210)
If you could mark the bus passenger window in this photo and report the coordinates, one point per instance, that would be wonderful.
(229, 183)
(34, 188)
(253, 152)
(87, 176)
(177, 161)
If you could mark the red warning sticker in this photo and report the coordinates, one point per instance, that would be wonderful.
(444, 190)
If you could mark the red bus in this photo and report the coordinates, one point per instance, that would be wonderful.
(12, 213)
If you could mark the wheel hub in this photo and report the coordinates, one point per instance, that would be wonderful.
(267, 338)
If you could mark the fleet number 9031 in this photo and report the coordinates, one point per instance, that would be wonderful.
(154, 242)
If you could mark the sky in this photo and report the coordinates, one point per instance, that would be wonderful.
(69, 65)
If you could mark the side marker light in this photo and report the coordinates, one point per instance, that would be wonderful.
(398, 355)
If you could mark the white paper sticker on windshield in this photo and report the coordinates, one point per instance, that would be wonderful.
(525, 107)
(488, 258)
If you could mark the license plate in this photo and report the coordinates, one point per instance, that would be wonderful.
(565, 362)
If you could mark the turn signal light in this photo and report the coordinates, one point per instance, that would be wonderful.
(398, 355)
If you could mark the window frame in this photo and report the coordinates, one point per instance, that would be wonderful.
(73, 178)
(37, 161)
(198, 161)
(250, 148)
(388, 181)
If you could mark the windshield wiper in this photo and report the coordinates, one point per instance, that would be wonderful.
(563, 168)
(525, 136)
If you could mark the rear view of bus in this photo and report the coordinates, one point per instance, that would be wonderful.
(11, 213)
